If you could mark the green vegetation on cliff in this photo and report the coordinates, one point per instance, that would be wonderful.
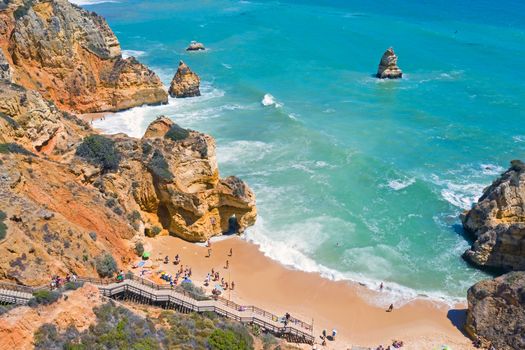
(118, 328)
(3, 227)
(99, 150)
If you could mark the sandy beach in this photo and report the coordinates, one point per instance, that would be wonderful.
(260, 281)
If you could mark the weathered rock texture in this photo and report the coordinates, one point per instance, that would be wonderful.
(172, 173)
(72, 57)
(5, 69)
(18, 326)
(185, 83)
(388, 68)
(195, 46)
(497, 222)
(63, 211)
(55, 223)
(496, 311)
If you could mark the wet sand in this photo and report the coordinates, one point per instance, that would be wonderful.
(422, 324)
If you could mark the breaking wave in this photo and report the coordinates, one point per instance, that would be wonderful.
(269, 100)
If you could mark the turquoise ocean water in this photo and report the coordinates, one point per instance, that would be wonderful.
(355, 178)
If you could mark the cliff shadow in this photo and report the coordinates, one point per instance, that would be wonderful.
(458, 318)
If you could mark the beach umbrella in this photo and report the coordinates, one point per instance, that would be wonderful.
(219, 287)
(146, 255)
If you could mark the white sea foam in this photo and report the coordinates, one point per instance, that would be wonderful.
(269, 100)
(242, 151)
(460, 194)
(301, 239)
(519, 138)
(491, 169)
(400, 184)
(189, 112)
(134, 53)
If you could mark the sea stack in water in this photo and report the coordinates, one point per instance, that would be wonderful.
(185, 83)
(496, 312)
(195, 46)
(497, 222)
(388, 68)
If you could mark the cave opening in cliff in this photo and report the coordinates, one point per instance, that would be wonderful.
(233, 225)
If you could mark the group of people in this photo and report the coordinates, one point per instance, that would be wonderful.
(396, 344)
(184, 272)
(325, 336)
(176, 260)
(57, 281)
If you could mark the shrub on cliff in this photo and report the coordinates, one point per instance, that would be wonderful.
(3, 227)
(99, 150)
(176, 133)
(44, 297)
(159, 167)
(106, 265)
(228, 340)
(195, 292)
(139, 248)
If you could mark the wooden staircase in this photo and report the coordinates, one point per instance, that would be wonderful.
(139, 290)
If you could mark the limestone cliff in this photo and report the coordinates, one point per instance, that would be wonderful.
(55, 223)
(72, 57)
(172, 172)
(388, 68)
(18, 326)
(185, 83)
(496, 312)
(497, 221)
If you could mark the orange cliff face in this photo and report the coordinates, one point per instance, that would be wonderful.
(64, 209)
(73, 58)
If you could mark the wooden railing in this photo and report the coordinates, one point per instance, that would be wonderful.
(164, 294)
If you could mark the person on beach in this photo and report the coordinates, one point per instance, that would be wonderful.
(324, 333)
(231, 252)
(381, 286)
(390, 308)
(334, 332)
(227, 264)
(209, 252)
(233, 285)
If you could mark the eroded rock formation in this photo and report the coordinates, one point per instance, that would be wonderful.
(185, 83)
(172, 173)
(195, 46)
(5, 69)
(388, 68)
(72, 57)
(497, 221)
(18, 326)
(496, 312)
(55, 223)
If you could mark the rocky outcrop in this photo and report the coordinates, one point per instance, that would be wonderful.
(172, 173)
(195, 46)
(496, 312)
(72, 57)
(185, 83)
(55, 223)
(497, 222)
(388, 68)
(18, 326)
(27, 119)
(5, 69)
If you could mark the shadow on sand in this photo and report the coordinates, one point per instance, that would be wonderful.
(458, 317)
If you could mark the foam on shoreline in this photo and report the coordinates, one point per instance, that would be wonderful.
(293, 258)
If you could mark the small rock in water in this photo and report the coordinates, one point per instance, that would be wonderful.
(195, 46)
(388, 68)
